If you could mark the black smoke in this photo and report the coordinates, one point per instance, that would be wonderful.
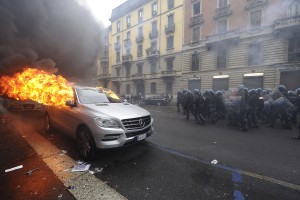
(58, 33)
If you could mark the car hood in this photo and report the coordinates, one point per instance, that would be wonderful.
(116, 110)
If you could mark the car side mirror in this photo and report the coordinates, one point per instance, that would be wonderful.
(124, 100)
(70, 103)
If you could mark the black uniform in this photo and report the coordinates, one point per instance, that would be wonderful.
(199, 103)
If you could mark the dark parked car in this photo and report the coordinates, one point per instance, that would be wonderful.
(156, 100)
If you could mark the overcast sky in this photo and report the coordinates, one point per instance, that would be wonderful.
(101, 9)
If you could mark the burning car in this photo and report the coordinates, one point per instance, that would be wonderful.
(97, 123)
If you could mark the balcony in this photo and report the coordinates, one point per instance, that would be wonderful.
(139, 39)
(287, 27)
(117, 46)
(104, 59)
(168, 74)
(116, 79)
(104, 76)
(127, 58)
(127, 43)
(223, 12)
(136, 77)
(196, 20)
(152, 53)
(229, 37)
(170, 28)
(153, 34)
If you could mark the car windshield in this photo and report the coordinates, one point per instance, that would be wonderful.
(91, 96)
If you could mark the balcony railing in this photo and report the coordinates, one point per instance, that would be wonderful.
(117, 46)
(170, 28)
(168, 73)
(127, 58)
(104, 76)
(153, 34)
(254, 4)
(152, 52)
(104, 59)
(195, 20)
(137, 76)
(116, 79)
(223, 11)
(139, 39)
(287, 22)
(223, 36)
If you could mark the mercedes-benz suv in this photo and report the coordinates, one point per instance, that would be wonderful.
(95, 122)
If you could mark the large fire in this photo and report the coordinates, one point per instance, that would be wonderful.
(37, 85)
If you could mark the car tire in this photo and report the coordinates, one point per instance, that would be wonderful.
(86, 143)
(47, 123)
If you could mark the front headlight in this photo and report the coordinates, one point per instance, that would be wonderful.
(106, 123)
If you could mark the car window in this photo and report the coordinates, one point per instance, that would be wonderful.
(91, 96)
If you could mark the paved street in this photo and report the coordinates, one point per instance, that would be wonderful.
(175, 162)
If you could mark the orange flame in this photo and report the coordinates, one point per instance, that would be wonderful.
(109, 92)
(37, 85)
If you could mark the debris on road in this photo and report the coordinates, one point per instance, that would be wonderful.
(81, 168)
(96, 170)
(30, 171)
(71, 188)
(60, 196)
(214, 162)
(14, 168)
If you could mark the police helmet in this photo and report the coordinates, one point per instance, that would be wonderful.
(206, 93)
(297, 91)
(282, 88)
(252, 92)
(259, 90)
(219, 93)
(196, 91)
(291, 93)
(189, 92)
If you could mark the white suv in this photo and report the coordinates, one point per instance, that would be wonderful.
(96, 122)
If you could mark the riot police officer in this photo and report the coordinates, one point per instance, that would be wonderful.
(199, 102)
(253, 101)
(189, 103)
(179, 97)
(243, 107)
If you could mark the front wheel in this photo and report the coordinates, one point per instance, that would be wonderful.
(86, 143)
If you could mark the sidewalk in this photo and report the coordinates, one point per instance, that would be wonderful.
(41, 184)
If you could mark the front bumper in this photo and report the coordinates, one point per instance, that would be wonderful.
(125, 137)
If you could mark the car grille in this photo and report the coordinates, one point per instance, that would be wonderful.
(132, 134)
(136, 123)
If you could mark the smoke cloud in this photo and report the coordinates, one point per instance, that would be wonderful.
(48, 33)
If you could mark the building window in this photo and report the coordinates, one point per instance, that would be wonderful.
(220, 84)
(222, 3)
(170, 4)
(154, 27)
(169, 87)
(118, 56)
(128, 50)
(127, 71)
(154, 45)
(196, 34)
(221, 58)
(140, 69)
(195, 62)
(127, 88)
(140, 15)
(170, 41)
(254, 55)
(140, 31)
(169, 64)
(128, 21)
(128, 35)
(153, 68)
(222, 26)
(294, 50)
(154, 8)
(118, 72)
(153, 88)
(196, 8)
(118, 26)
(294, 9)
(170, 20)
(255, 19)
(140, 50)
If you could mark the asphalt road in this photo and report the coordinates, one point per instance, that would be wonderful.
(175, 162)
